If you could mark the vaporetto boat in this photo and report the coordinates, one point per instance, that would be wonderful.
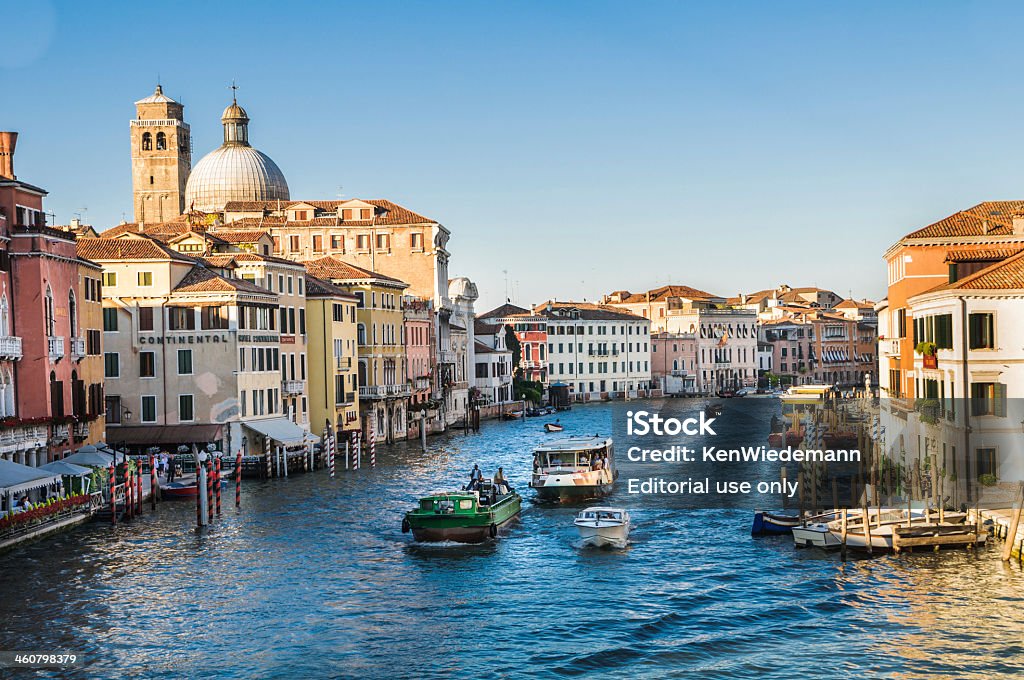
(574, 468)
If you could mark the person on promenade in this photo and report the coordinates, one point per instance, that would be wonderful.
(170, 468)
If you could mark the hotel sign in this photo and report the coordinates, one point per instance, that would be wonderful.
(257, 338)
(183, 339)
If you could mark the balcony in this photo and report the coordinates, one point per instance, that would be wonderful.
(529, 363)
(293, 387)
(890, 347)
(420, 384)
(22, 437)
(445, 356)
(383, 391)
(10, 347)
(55, 344)
(81, 431)
(679, 373)
(77, 348)
(61, 432)
(344, 363)
(603, 352)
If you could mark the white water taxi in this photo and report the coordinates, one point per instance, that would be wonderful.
(574, 468)
(603, 526)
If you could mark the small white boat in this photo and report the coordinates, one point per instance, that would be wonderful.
(553, 427)
(603, 526)
(815, 535)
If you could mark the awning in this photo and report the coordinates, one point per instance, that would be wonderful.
(16, 478)
(62, 467)
(156, 435)
(281, 430)
(90, 458)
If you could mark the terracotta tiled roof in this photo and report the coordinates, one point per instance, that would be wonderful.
(396, 214)
(202, 280)
(243, 257)
(991, 218)
(481, 348)
(506, 309)
(332, 269)
(665, 292)
(481, 327)
(982, 254)
(240, 235)
(319, 288)
(139, 248)
(1005, 275)
(589, 311)
(126, 228)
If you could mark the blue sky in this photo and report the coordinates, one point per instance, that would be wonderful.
(581, 146)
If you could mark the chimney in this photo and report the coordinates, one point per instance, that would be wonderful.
(8, 140)
(1018, 225)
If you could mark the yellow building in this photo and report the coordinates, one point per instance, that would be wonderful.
(87, 349)
(333, 356)
(382, 376)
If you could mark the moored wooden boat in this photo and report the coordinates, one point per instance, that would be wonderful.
(553, 427)
(767, 523)
(467, 516)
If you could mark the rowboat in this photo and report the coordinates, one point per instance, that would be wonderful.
(553, 427)
(574, 468)
(601, 526)
(513, 415)
(767, 523)
(466, 516)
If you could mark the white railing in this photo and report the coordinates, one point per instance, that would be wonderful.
(55, 344)
(289, 387)
(81, 430)
(77, 348)
(10, 347)
(422, 383)
(379, 391)
(446, 356)
(890, 346)
(163, 122)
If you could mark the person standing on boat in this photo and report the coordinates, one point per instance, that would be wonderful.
(499, 480)
(475, 476)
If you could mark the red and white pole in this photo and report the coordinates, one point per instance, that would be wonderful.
(373, 446)
(138, 491)
(238, 479)
(209, 489)
(152, 481)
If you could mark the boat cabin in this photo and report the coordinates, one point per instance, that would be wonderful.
(574, 454)
(601, 515)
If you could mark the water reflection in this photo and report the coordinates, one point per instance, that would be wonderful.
(314, 578)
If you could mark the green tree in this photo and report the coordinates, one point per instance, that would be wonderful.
(512, 343)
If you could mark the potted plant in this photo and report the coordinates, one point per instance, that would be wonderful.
(988, 480)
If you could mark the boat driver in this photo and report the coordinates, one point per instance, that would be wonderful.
(474, 477)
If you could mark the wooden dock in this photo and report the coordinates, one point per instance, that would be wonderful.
(936, 536)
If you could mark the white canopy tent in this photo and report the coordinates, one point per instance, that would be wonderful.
(66, 469)
(16, 479)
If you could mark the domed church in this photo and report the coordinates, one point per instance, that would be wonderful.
(234, 171)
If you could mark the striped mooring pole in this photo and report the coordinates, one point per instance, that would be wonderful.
(129, 503)
(355, 450)
(373, 446)
(266, 456)
(238, 479)
(152, 481)
(138, 491)
(216, 486)
(209, 489)
(113, 494)
(331, 443)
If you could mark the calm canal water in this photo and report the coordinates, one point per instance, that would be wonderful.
(313, 578)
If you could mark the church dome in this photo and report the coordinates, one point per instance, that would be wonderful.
(235, 171)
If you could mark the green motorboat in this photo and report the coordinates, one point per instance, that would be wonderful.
(468, 516)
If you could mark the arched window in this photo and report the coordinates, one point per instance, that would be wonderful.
(48, 311)
(161, 141)
(147, 141)
(5, 323)
(73, 313)
(6, 394)
(361, 332)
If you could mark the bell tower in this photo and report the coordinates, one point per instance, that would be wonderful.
(161, 158)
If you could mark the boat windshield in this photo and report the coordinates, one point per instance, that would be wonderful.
(584, 459)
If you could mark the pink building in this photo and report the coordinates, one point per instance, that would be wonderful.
(40, 287)
(675, 362)
(418, 319)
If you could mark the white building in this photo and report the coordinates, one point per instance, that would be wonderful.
(493, 378)
(597, 350)
(970, 392)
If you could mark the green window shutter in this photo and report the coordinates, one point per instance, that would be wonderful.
(999, 407)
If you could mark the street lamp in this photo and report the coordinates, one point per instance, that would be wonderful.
(126, 414)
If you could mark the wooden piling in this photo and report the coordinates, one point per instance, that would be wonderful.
(209, 490)
(238, 479)
(152, 481)
(845, 520)
(1011, 533)
(216, 486)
